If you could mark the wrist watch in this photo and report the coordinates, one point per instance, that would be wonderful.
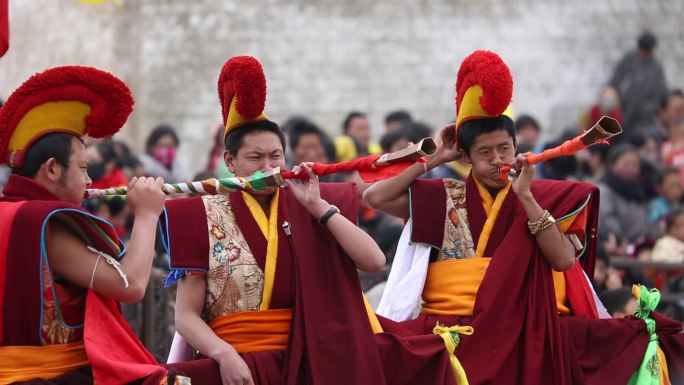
(328, 214)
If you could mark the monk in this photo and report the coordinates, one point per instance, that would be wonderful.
(510, 259)
(63, 270)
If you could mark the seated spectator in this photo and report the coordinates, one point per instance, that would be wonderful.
(670, 193)
(648, 149)
(672, 152)
(608, 104)
(670, 247)
(396, 140)
(130, 164)
(160, 158)
(561, 168)
(591, 163)
(528, 131)
(355, 140)
(115, 210)
(396, 120)
(103, 166)
(670, 110)
(215, 164)
(606, 277)
(619, 303)
(306, 143)
(623, 208)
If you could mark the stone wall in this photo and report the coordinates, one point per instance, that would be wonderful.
(325, 58)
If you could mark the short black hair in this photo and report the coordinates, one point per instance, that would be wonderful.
(526, 120)
(671, 217)
(351, 116)
(560, 168)
(236, 137)
(665, 172)
(57, 145)
(665, 98)
(159, 132)
(402, 116)
(647, 41)
(419, 131)
(617, 151)
(300, 128)
(390, 138)
(107, 152)
(471, 129)
(616, 299)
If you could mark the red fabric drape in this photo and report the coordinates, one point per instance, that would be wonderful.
(4, 26)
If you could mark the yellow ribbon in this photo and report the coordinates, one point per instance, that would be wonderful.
(269, 227)
(491, 208)
(450, 335)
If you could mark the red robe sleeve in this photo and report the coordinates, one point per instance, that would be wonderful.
(4, 26)
(185, 237)
(428, 208)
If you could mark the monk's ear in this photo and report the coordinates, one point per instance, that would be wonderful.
(51, 170)
(465, 157)
(228, 158)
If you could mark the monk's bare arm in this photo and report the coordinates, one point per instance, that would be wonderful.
(391, 195)
(190, 299)
(73, 261)
(555, 246)
(360, 247)
(557, 249)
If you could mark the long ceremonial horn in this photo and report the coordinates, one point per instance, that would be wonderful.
(604, 129)
(212, 186)
(275, 177)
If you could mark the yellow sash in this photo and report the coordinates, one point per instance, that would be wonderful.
(24, 363)
(491, 208)
(255, 331)
(269, 227)
(451, 287)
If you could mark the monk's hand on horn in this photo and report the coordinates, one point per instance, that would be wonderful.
(522, 182)
(308, 192)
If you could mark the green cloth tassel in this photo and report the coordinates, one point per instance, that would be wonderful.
(258, 181)
(648, 372)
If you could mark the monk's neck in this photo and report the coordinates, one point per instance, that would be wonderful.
(493, 191)
(265, 203)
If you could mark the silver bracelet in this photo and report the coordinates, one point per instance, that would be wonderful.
(110, 260)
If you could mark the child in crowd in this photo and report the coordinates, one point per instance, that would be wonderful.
(619, 303)
(670, 248)
(670, 192)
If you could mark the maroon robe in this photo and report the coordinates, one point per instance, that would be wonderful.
(519, 336)
(331, 341)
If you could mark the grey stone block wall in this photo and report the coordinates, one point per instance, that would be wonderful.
(325, 58)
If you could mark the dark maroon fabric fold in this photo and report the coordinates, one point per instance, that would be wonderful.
(184, 227)
(428, 224)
